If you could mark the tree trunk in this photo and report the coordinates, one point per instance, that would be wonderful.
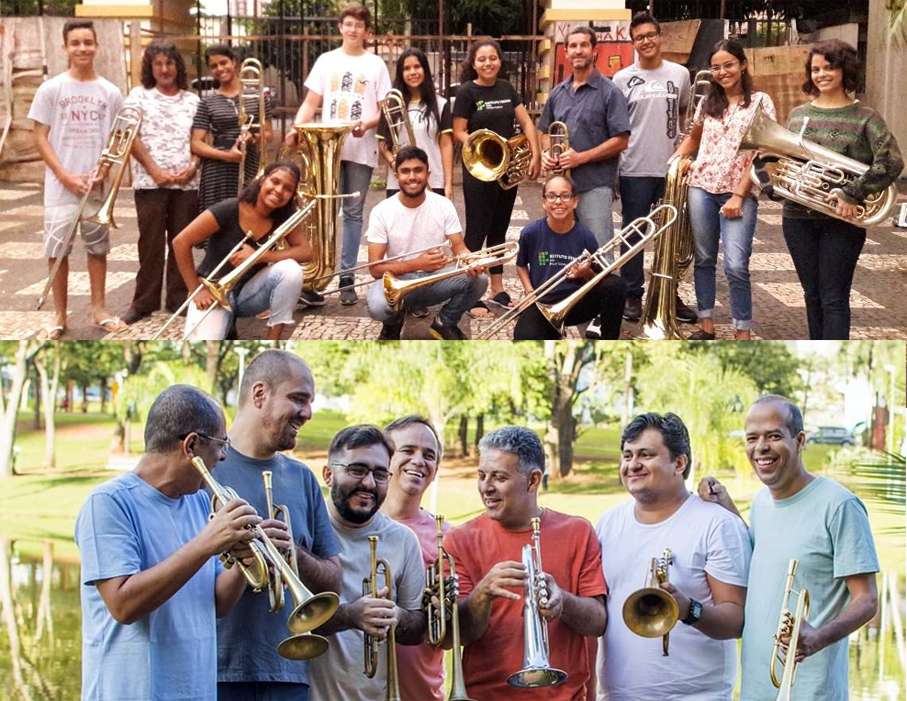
(566, 434)
(212, 359)
(103, 395)
(49, 385)
(38, 398)
(70, 384)
(628, 389)
(564, 367)
(84, 390)
(464, 436)
(480, 431)
(24, 352)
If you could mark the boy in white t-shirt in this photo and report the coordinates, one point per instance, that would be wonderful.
(707, 574)
(413, 220)
(73, 114)
(349, 84)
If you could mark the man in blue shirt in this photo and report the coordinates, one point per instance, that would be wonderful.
(151, 585)
(595, 112)
(275, 401)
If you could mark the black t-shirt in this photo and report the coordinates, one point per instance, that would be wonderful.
(546, 253)
(229, 233)
(488, 107)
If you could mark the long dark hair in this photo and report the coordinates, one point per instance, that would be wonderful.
(426, 90)
(716, 102)
(469, 72)
(251, 191)
(839, 54)
(160, 47)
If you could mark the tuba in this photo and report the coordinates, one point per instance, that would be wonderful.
(536, 671)
(489, 156)
(651, 611)
(789, 624)
(251, 81)
(444, 585)
(396, 114)
(809, 174)
(370, 588)
(558, 143)
(116, 151)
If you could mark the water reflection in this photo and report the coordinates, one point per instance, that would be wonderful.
(40, 635)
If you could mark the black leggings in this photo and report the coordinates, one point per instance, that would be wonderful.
(488, 211)
(606, 299)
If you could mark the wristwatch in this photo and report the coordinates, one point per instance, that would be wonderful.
(694, 614)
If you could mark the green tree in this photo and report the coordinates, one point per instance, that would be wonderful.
(771, 365)
(15, 355)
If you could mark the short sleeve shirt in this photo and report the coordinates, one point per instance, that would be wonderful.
(488, 107)
(593, 113)
(427, 131)
(125, 527)
(405, 229)
(546, 253)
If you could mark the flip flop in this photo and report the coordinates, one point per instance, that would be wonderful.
(480, 305)
(701, 335)
(51, 333)
(502, 299)
(110, 325)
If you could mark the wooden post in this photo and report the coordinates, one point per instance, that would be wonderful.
(135, 53)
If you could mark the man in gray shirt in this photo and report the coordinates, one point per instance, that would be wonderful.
(595, 113)
(657, 93)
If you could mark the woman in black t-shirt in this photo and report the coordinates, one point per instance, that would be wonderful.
(273, 284)
(485, 101)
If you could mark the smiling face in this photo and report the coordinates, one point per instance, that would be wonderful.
(773, 452)
(164, 72)
(356, 500)
(286, 407)
(413, 73)
(412, 175)
(222, 68)
(646, 40)
(353, 31)
(277, 188)
(580, 51)
(487, 63)
(727, 70)
(563, 207)
(828, 80)
(509, 496)
(647, 470)
(81, 48)
(415, 460)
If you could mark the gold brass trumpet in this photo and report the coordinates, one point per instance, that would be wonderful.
(488, 156)
(536, 671)
(651, 611)
(788, 624)
(443, 585)
(558, 144)
(370, 643)
(396, 114)
(251, 81)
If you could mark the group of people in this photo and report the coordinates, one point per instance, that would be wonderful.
(623, 133)
(157, 601)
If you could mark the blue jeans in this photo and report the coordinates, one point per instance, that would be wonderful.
(462, 291)
(593, 209)
(353, 177)
(262, 691)
(637, 197)
(709, 229)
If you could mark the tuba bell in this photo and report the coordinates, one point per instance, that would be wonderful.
(651, 611)
(488, 156)
(396, 114)
(789, 624)
(809, 174)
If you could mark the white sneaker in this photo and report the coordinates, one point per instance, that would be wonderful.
(594, 329)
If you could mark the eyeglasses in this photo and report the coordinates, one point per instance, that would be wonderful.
(554, 197)
(729, 65)
(222, 443)
(648, 36)
(359, 471)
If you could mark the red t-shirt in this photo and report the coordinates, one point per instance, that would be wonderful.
(572, 555)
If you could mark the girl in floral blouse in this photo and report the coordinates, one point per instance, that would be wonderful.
(722, 202)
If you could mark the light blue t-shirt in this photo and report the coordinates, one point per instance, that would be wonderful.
(826, 528)
(127, 526)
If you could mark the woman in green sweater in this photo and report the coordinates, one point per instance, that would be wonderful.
(825, 249)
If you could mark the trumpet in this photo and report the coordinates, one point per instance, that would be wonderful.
(558, 143)
(488, 156)
(396, 114)
(536, 671)
(251, 77)
(116, 151)
(788, 624)
(445, 588)
(651, 611)
(370, 642)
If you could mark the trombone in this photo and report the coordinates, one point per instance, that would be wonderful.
(536, 671)
(370, 643)
(251, 76)
(788, 624)
(445, 588)
(396, 114)
(558, 144)
(651, 612)
(116, 151)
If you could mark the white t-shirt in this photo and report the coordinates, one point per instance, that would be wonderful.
(705, 538)
(427, 132)
(337, 674)
(350, 89)
(80, 115)
(406, 229)
(166, 132)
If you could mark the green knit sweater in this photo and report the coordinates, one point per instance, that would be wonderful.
(858, 132)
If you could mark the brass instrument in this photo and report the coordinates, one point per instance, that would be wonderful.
(489, 157)
(809, 174)
(370, 643)
(698, 90)
(558, 143)
(646, 228)
(396, 113)
(116, 151)
(651, 611)
(444, 586)
(251, 81)
(788, 624)
(444, 247)
(536, 671)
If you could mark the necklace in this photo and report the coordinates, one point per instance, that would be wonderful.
(728, 117)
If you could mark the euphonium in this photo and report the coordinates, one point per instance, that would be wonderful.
(489, 157)
(809, 174)
(651, 611)
(251, 76)
(788, 624)
(396, 114)
(444, 587)
(536, 671)
(558, 143)
(370, 588)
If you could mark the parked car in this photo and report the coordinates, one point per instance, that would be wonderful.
(831, 435)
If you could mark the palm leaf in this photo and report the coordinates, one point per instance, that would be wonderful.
(882, 483)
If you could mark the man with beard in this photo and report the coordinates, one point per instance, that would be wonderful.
(413, 467)
(595, 112)
(707, 569)
(357, 473)
(488, 554)
(275, 400)
(825, 527)
(413, 220)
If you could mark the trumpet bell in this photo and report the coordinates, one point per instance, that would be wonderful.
(535, 677)
(650, 612)
(313, 611)
(302, 647)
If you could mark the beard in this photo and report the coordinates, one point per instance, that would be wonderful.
(341, 498)
(280, 436)
(414, 195)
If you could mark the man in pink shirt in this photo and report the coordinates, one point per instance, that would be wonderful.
(413, 466)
